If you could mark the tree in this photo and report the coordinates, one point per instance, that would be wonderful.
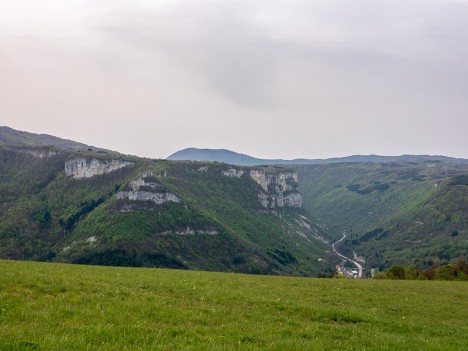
(396, 272)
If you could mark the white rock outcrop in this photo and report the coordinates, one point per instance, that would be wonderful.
(157, 198)
(280, 189)
(38, 153)
(281, 181)
(190, 231)
(260, 177)
(264, 199)
(141, 189)
(235, 173)
(81, 167)
(292, 200)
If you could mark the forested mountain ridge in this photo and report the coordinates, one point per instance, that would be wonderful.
(69, 202)
(101, 207)
(410, 209)
(393, 213)
(15, 138)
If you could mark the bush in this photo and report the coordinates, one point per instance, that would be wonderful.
(396, 272)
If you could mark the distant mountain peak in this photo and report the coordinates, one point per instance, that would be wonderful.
(234, 158)
(214, 155)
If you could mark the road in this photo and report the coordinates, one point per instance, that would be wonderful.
(346, 259)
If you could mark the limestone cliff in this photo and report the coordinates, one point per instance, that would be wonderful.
(190, 231)
(81, 167)
(232, 172)
(279, 189)
(146, 188)
(35, 152)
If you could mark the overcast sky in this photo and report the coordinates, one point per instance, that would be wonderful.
(273, 79)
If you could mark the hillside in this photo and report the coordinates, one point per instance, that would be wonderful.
(109, 209)
(15, 138)
(234, 158)
(393, 210)
(93, 206)
(392, 213)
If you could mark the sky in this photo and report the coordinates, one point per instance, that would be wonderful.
(268, 78)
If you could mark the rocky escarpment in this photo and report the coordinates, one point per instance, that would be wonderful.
(81, 167)
(232, 172)
(146, 188)
(279, 189)
(280, 182)
(35, 152)
(280, 200)
(190, 231)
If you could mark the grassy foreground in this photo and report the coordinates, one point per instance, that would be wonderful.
(71, 307)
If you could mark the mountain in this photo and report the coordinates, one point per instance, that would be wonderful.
(14, 138)
(230, 157)
(61, 202)
(210, 155)
(392, 213)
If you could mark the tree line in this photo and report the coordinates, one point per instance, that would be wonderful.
(453, 271)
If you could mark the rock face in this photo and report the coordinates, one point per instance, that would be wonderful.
(280, 189)
(38, 153)
(292, 200)
(80, 168)
(232, 172)
(157, 198)
(190, 231)
(145, 188)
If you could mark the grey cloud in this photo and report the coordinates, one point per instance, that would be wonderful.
(356, 74)
(242, 60)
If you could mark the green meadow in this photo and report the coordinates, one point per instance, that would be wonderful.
(55, 306)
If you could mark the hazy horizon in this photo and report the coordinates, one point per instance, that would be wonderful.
(243, 154)
(270, 79)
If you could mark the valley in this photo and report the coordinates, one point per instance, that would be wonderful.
(342, 267)
(63, 201)
(395, 213)
(233, 175)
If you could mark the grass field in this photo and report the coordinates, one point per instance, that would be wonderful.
(71, 307)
